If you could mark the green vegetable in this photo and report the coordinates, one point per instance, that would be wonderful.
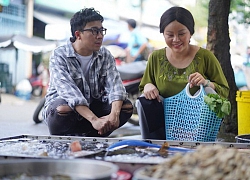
(220, 106)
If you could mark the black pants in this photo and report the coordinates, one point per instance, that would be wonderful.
(151, 118)
(73, 124)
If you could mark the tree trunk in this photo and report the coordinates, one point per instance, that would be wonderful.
(218, 41)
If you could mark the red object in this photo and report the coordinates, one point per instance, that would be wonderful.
(75, 146)
(122, 175)
(118, 62)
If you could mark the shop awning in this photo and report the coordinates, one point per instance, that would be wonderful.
(57, 27)
(49, 18)
(5, 41)
(22, 42)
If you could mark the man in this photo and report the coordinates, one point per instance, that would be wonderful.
(137, 43)
(85, 96)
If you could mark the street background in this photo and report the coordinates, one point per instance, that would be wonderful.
(49, 20)
(16, 119)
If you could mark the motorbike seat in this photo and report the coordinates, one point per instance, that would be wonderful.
(132, 70)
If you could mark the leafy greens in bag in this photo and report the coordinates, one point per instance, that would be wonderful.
(220, 106)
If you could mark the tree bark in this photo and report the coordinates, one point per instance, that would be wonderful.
(218, 41)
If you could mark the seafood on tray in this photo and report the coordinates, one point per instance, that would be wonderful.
(207, 162)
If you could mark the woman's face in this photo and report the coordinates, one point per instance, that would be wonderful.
(177, 36)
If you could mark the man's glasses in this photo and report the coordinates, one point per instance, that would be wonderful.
(95, 31)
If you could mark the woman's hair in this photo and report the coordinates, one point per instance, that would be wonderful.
(81, 18)
(179, 14)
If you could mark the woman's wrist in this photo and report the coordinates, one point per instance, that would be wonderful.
(207, 83)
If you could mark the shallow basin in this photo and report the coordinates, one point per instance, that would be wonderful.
(65, 169)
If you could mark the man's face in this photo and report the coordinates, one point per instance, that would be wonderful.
(90, 39)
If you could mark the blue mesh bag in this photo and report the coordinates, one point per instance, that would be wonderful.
(188, 118)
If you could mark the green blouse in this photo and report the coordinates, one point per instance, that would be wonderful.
(170, 80)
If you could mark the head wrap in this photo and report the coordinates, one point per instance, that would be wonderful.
(179, 14)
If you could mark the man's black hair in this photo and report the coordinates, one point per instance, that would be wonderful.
(81, 18)
(132, 23)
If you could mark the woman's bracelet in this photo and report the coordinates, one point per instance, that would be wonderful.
(207, 84)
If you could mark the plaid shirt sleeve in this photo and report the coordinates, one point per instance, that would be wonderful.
(63, 77)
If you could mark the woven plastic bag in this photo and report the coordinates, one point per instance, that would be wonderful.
(188, 118)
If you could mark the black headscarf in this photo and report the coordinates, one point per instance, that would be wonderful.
(179, 14)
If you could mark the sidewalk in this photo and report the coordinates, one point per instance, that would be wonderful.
(16, 119)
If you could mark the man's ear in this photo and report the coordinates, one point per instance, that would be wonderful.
(77, 34)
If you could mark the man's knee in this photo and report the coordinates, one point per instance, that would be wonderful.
(127, 107)
(63, 110)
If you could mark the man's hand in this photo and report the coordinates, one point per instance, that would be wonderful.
(113, 123)
(102, 125)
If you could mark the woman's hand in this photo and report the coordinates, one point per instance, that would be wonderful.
(151, 92)
(196, 79)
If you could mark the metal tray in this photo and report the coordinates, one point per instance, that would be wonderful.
(47, 147)
(28, 141)
(99, 153)
(188, 144)
(58, 169)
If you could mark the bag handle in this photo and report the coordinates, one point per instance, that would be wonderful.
(194, 96)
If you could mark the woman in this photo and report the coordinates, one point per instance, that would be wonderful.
(170, 69)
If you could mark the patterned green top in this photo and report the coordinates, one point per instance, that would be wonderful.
(170, 80)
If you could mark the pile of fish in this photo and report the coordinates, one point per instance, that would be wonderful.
(207, 162)
(47, 148)
(131, 151)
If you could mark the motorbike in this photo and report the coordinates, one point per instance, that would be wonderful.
(37, 86)
(131, 75)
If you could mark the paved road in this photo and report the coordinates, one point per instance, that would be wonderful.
(16, 119)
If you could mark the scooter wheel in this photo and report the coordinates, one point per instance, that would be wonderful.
(37, 91)
(36, 116)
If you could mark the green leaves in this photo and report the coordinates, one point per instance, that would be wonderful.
(220, 106)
